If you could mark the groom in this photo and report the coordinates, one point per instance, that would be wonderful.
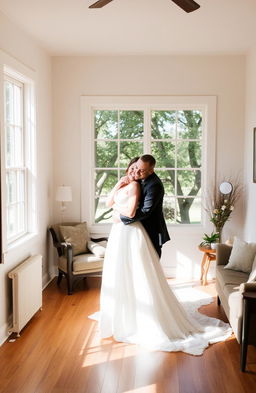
(150, 211)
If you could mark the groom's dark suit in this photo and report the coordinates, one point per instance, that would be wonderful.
(150, 211)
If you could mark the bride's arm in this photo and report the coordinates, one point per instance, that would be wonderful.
(110, 200)
(133, 200)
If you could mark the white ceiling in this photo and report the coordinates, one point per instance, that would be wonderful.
(68, 27)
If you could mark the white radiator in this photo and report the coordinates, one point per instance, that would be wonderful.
(26, 291)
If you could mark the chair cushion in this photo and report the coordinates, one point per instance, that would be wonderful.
(83, 263)
(77, 235)
(242, 256)
(97, 249)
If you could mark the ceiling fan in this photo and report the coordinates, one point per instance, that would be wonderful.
(186, 5)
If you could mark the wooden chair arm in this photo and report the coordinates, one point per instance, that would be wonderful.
(99, 239)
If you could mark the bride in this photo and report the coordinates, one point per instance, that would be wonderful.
(136, 303)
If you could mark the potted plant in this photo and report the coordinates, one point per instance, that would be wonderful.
(209, 241)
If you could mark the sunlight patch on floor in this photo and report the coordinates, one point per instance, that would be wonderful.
(145, 389)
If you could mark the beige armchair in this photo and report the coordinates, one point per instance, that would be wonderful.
(79, 255)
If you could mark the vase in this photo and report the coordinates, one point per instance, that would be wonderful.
(219, 231)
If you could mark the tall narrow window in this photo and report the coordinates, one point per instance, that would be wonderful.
(14, 159)
(19, 156)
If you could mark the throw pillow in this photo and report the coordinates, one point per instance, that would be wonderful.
(242, 256)
(77, 235)
(252, 276)
(96, 248)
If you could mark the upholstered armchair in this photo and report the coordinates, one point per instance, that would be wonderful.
(79, 255)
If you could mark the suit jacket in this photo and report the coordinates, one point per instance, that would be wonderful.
(150, 211)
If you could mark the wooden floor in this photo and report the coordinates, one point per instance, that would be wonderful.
(60, 351)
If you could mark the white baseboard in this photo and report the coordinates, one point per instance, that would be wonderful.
(4, 331)
(47, 279)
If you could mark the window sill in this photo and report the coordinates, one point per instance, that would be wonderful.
(19, 242)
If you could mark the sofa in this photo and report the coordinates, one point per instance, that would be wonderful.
(230, 286)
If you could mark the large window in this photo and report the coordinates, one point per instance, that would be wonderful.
(175, 142)
(19, 123)
(177, 135)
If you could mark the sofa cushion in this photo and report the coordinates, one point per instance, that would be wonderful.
(252, 276)
(229, 277)
(82, 263)
(242, 256)
(235, 303)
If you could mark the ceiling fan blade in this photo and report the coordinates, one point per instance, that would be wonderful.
(187, 5)
(100, 3)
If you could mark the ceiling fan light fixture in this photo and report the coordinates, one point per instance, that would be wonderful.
(99, 3)
(187, 5)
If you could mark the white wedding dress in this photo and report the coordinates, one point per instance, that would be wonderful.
(136, 303)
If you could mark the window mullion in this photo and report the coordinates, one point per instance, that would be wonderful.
(147, 130)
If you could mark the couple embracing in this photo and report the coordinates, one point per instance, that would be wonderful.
(136, 303)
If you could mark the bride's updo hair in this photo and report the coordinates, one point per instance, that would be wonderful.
(133, 160)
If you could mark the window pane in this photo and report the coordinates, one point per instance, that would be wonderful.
(18, 147)
(103, 214)
(164, 153)
(168, 179)
(188, 183)
(17, 105)
(20, 218)
(11, 219)
(131, 124)
(105, 124)
(169, 210)
(129, 150)
(105, 181)
(9, 116)
(106, 154)
(11, 186)
(21, 186)
(163, 124)
(188, 154)
(10, 147)
(189, 210)
(189, 124)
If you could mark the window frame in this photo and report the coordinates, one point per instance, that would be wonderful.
(11, 68)
(22, 168)
(206, 104)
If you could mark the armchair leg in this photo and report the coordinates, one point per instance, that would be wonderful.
(218, 301)
(59, 277)
(70, 286)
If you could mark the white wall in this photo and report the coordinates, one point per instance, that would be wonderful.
(223, 76)
(250, 214)
(22, 49)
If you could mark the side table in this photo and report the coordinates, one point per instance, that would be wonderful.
(209, 255)
(249, 307)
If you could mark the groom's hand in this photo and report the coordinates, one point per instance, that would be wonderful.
(123, 181)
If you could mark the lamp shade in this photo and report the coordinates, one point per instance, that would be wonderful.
(64, 194)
